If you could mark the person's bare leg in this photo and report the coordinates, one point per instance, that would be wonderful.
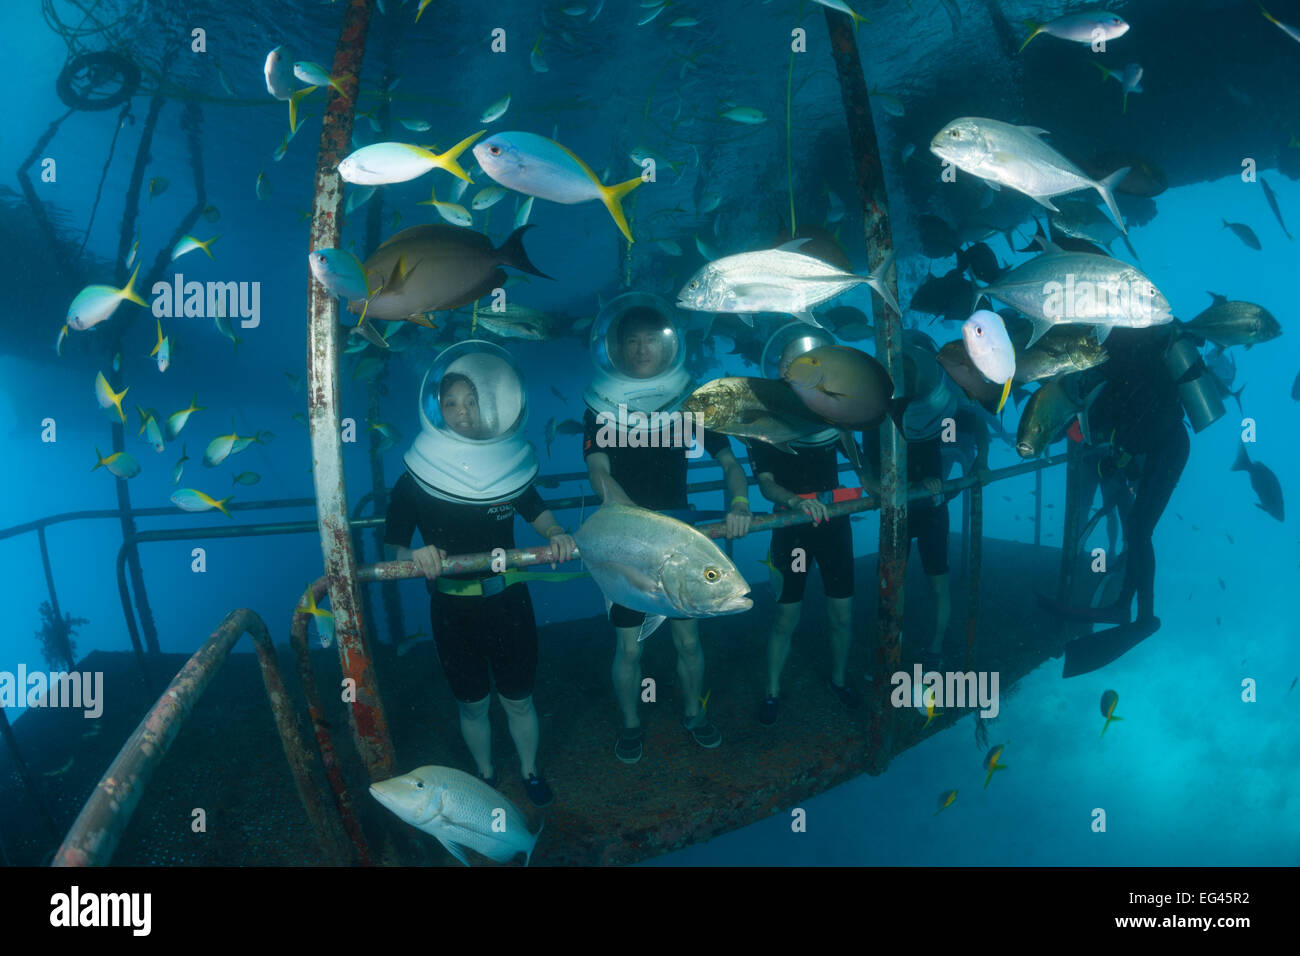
(525, 730)
(626, 673)
(839, 621)
(690, 663)
(476, 728)
(784, 622)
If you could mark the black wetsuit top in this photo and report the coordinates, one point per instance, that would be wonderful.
(456, 528)
(653, 478)
(1140, 403)
(809, 470)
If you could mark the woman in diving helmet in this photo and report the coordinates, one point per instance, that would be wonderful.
(468, 473)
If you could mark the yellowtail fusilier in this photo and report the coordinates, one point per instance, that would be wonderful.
(323, 619)
(454, 213)
(187, 499)
(119, 464)
(774, 280)
(108, 398)
(313, 74)
(487, 197)
(177, 420)
(496, 110)
(540, 167)
(1005, 155)
(95, 303)
(223, 446)
(989, 348)
(1062, 288)
(162, 349)
(179, 466)
(384, 163)
(460, 811)
(189, 244)
(1292, 32)
(149, 427)
(658, 565)
(437, 267)
(1087, 26)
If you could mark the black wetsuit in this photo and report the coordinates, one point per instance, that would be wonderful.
(654, 478)
(480, 639)
(927, 522)
(1139, 413)
(830, 543)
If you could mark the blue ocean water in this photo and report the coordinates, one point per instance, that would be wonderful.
(1194, 775)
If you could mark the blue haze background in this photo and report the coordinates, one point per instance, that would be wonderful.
(1191, 776)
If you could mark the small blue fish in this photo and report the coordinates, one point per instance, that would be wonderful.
(163, 350)
(187, 499)
(96, 303)
(179, 467)
(313, 74)
(189, 244)
(340, 272)
(108, 398)
(382, 163)
(119, 464)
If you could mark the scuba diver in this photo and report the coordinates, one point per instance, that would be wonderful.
(807, 481)
(1153, 377)
(639, 355)
(932, 400)
(468, 472)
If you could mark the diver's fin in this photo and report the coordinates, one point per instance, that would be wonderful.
(1095, 651)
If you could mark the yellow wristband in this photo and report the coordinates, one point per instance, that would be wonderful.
(739, 498)
(554, 527)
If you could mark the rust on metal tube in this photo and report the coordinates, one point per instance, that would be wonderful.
(369, 725)
(894, 542)
(100, 825)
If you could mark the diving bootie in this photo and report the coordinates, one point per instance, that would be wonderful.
(1094, 651)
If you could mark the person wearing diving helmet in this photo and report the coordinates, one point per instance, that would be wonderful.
(932, 405)
(468, 473)
(639, 355)
(1153, 377)
(806, 480)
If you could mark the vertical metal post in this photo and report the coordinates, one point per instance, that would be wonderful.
(49, 572)
(1038, 508)
(366, 713)
(894, 541)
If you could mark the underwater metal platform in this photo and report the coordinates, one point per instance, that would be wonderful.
(229, 762)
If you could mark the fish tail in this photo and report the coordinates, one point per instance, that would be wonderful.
(204, 247)
(221, 505)
(99, 457)
(117, 401)
(1106, 187)
(160, 339)
(1037, 28)
(1243, 460)
(612, 197)
(1006, 390)
(448, 159)
(512, 253)
(293, 105)
(128, 291)
(1267, 16)
(334, 82)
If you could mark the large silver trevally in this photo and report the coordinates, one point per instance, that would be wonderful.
(1005, 155)
(1062, 288)
(774, 280)
(658, 565)
(459, 810)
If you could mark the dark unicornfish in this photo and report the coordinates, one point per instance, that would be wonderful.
(1264, 483)
(1272, 204)
(1244, 233)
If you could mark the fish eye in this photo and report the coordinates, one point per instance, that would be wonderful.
(955, 133)
(711, 574)
(978, 330)
(695, 284)
(419, 785)
(494, 150)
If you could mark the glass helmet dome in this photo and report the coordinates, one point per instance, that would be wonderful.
(473, 408)
(933, 399)
(784, 346)
(639, 355)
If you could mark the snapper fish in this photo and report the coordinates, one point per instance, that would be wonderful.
(1087, 26)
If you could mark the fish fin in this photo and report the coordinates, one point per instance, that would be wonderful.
(1006, 390)
(448, 159)
(1216, 299)
(1106, 187)
(996, 187)
(512, 253)
(747, 319)
(612, 197)
(1237, 396)
(1243, 460)
(1131, 250)
(650, 625)
(793, 245)
(1037, 29)
(806, 317)
(368, 332)
(454, 848)
(1102, 332)
(1046, 202)
(293, 105)
(528, 855)
(781, 446)
(128, 291)
(1038, 130)
(1041, 328)
(851, 450)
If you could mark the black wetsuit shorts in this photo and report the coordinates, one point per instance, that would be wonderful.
(928, 524)
(482, 640)
(829, 543)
